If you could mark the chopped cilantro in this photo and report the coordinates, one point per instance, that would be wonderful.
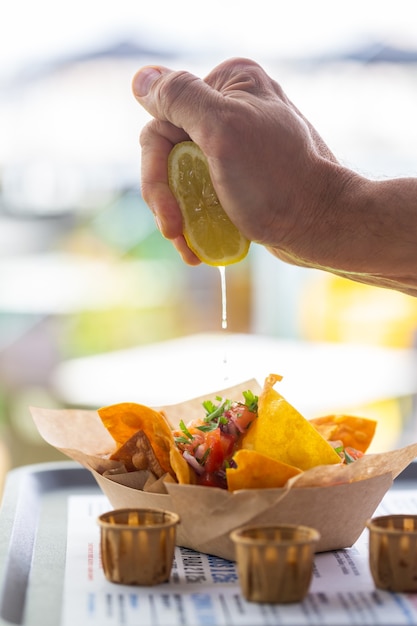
(251, 401)
(185, 430)
(181, 440)
(348, 458)
(204, 457)
(212, 424)
(216, 415)
(214, 411)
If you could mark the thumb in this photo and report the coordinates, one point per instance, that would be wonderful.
(174, 96)
(144, 79)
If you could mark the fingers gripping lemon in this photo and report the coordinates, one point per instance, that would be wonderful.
(207, 229)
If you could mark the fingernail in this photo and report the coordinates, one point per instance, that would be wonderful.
(143, 80)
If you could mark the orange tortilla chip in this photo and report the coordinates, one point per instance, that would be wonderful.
(125, 419)
(354, 432)
(257, 471)
(282, 433)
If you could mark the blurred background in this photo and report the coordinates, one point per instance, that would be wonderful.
(83, 270)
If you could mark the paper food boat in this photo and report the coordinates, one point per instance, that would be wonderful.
(337, 500)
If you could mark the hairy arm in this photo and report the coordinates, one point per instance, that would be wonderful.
(275, 177)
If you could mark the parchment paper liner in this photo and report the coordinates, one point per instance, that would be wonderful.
(337, 500)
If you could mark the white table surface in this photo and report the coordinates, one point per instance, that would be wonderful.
(318, 377)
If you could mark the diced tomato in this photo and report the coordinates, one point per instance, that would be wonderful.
(215, 457)
(241, 416)
(212, 480)
(213, 449)
(228, 444)
(351, 454)
(198, 440)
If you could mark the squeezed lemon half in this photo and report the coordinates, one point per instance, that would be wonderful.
(207, 229)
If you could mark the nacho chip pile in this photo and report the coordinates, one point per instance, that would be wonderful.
(274, 445)
(143, 433)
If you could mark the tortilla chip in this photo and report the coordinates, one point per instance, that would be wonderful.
(257, 471)
(282, 433)
(183, 472)
(137, 454)
(354, 432)
(125, 419)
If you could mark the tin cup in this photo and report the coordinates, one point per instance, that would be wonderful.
(275, 562)
(393, 552)
(137, 545)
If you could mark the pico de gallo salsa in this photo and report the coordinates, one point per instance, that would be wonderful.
(208, 444)
(346, 453)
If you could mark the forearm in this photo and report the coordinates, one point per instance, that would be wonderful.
(362, 229)
(385, 240)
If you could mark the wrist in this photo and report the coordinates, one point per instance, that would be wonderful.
(329, 210)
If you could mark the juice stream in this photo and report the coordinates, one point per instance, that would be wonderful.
(222, 271)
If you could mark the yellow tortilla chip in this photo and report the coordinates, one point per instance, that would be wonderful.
(282, 433)
(125, 419)
(355, 432)
(257, 471)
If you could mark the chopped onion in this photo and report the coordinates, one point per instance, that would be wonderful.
(235, 420)
(193, 462)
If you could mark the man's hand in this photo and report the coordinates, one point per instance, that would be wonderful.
(274, 175)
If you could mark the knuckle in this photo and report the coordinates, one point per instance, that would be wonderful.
(240, 74)
(174, 87)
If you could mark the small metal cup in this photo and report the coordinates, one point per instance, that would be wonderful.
(275, 563)
(137, 545)
(393, 552)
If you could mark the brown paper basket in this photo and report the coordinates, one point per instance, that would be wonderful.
(337, 500)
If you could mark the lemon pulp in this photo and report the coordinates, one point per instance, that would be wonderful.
(207, 229)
